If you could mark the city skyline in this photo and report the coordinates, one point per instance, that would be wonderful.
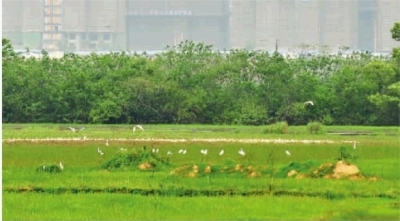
(87, 25)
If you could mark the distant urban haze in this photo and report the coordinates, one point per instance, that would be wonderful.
(151, 25)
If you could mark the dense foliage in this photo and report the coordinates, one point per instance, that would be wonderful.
(191, 83)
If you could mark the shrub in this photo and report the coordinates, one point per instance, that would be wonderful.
(277, 128)
(314, 127)
(133, 159)
(345, 154)
(49, 168)
(299, 167)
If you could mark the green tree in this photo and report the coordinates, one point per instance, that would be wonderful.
(396, 36)
(396, 31)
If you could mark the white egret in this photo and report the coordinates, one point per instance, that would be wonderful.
(138, 127)
(153, 150)
(241, 152)
(184, 152)
(107, 142)
(123, 149)
(157, 150)
(354, 145)
(99, 151)
(61, 166)
(287, 152)
(72, 129)
(308, 102)
(169, 153)
(180, 151)
(82, 128)
(204, 151)
(221, 152)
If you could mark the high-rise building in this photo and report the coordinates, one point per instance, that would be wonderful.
(154, 24)
(70, 25)
(23, 22)
(388, 11)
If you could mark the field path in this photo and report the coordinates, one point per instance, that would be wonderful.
(206, 140)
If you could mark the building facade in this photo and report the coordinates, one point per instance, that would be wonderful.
(98, 25)
(154, 24)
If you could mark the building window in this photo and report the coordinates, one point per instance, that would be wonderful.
(57, 36)
(72, 36)
(56, 11)
(56, 20)
(106, 36)
(56, 28)
(92, 46)
(93, 36)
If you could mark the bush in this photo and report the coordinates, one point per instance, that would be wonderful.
(345, 154)
(277, 128)
(314, 127)
(133, 159)
(49, 168)
(299, 167)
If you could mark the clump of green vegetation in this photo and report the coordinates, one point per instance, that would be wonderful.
(303, 168)
(277, 128)
(345, 154)
(136, 159)
(314, 127)
(323, 170)
(49, 168)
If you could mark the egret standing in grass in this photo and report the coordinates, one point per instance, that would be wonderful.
(204, 151)
(107, 142)
(72, 129)
(100, 151)
(309, 102)
(169, 153)
(221, 152)
(184, 152)
(61, 166)
(287, 152)
(138, 127)
(354, 145)
(241, 152)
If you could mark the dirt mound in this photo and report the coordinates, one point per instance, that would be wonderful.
(145, 166)
(204, 169)
(343, 169)
(339, 170)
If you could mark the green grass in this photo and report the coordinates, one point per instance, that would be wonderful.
(128, 207)
(322, 199)
(189, 131)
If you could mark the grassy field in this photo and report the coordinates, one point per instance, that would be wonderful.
(85, 190)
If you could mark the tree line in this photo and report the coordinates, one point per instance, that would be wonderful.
(193, 84)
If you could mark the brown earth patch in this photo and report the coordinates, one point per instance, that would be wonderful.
(145, 166)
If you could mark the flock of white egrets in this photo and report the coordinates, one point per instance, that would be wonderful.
(181, 151)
